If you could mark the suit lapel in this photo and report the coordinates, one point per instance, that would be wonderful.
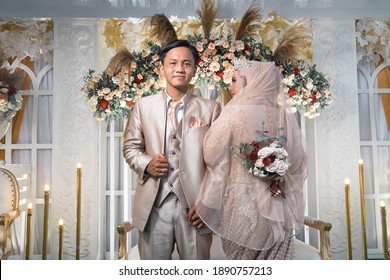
(187, 110)
(161, 119)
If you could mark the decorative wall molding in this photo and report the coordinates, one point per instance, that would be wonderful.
(75, 137)
(336, 133)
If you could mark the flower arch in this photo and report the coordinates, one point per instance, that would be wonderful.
(130, 75)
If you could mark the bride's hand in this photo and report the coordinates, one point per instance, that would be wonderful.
(274, 189)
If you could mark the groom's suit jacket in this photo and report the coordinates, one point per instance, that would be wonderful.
(144, 137)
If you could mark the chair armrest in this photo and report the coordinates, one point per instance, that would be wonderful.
(123, 229)
(5, 222)
(5, 219)
(324, 228)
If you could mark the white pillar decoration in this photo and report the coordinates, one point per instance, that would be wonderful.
(334, 135)
(75, 138)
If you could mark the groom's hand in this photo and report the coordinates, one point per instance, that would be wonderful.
(158, 166)
(195, 219)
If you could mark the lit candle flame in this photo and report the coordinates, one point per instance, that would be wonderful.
(382, 204)
(46, 188)
(347, 182)
(79, 165)
(360, 162)
(61, 222)
(29, 206)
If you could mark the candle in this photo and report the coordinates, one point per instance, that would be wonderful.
(29, 225)
(363, 209)
(60, 238)
(384, 230)
(45, 222)
(347, 207)
(78, 210)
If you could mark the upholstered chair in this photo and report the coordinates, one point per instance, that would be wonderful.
(9, 210)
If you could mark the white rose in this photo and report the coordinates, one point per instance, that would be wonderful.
(259, 163)
(281, 167)
(272, 167)
(265, 152)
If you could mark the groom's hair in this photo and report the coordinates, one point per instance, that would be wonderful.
(175, 44)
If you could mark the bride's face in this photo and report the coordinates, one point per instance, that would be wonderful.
(238, 83)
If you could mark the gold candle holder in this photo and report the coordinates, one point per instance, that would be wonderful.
(29, 226)
(78, 212)
(363, 210)
(45, 222)
(60, 238)
(347, 210)
(384, 230)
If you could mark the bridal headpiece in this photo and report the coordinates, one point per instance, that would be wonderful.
(237, 62)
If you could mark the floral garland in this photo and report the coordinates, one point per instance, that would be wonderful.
(111, 98)
(10, 102)
(307, 90)
(215, 64)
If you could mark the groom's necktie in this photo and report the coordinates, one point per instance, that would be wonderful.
(172, 113)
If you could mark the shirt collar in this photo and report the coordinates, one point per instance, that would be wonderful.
(183, 99)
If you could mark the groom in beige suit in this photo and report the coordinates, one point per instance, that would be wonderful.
(162, 143)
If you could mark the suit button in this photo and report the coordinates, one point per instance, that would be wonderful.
(171, 185)
(173, 153)
(172, 169)
(174, 136)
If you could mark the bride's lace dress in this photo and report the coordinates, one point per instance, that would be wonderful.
(238, 205)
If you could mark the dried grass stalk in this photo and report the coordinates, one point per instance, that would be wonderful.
(250, 23)
(207, 15)
(121, 60)
(293, 41)
(161, 28)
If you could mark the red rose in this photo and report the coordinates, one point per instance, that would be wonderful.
(268, 160)
(255, 144)
(292, 92)
(252, 157)
(199, 60)
(11, 90)
(246, 49)
(296, 70)
(104, 104)
(138, 80)
(220, 74)
(314, 98)
(129, 102)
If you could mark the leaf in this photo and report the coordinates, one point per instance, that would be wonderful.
(207, 15)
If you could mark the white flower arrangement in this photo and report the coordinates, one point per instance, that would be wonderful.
(10, 102)
(306, 90)
(373, 40)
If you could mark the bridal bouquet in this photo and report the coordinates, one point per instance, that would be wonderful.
(265, 157)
